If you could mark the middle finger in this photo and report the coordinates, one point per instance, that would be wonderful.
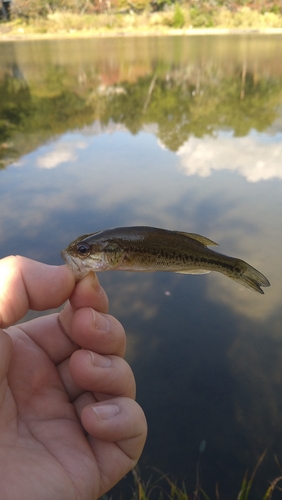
(103, 376)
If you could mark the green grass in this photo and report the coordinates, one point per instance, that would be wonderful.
(165, 489)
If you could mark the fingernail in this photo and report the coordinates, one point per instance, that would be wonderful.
(100, 322)
(100, 361)
(106, 412)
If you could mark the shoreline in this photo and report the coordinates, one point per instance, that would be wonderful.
(7, 36)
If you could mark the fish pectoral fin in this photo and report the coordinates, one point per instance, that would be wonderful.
(202, 239)
(193, 271)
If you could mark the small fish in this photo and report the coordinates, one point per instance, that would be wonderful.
(144, 248)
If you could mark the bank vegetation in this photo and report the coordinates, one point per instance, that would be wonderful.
(122, 16)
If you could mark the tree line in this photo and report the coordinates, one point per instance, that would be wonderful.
(198, 9)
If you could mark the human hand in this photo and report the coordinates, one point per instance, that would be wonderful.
(69, 425)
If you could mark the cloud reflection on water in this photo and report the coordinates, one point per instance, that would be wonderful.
(257, 156)
(62, 152)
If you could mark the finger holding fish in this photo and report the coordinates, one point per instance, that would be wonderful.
(88, 292)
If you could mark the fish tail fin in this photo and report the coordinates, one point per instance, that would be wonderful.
(251, 278)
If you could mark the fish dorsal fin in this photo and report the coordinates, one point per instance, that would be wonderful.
(202, 239)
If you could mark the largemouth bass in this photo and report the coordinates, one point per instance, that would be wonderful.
(144, 248)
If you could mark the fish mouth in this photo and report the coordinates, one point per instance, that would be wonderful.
(82, 266)
(73, 264)
(68, 259)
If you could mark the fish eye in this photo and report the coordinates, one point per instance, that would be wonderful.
(83, 249)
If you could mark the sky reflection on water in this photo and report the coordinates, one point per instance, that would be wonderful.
(206, 352)
(135, 181)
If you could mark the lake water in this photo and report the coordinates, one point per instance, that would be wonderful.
(181, 133)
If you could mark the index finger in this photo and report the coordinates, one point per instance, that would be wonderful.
(26, 284)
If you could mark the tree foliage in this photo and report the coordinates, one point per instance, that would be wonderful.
(201, 12)
(180, 109)
(176, 103)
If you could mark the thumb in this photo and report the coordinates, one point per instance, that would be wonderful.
(27, 284)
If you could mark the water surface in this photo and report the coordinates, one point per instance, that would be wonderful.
(182, 133)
